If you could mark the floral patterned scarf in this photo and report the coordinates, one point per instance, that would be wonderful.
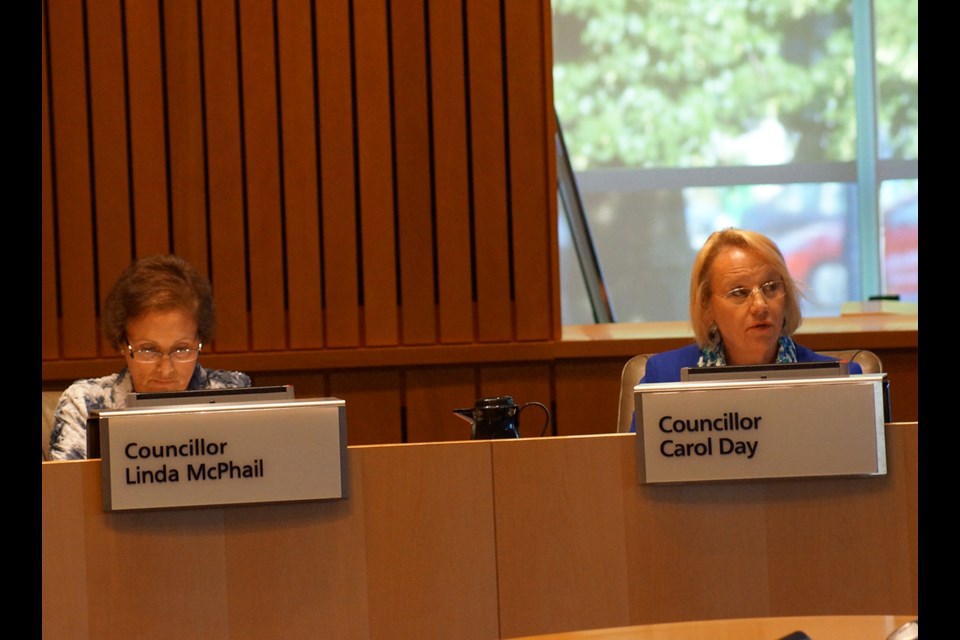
(712, 355)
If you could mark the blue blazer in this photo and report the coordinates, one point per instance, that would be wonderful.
(665, 367)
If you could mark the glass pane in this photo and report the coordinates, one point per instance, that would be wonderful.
(574, 299)
(699, 83)
(642, 242)
(658, 99)
(899, 201)
(898, 78)
(647, 241)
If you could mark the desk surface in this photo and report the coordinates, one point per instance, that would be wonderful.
(483, 539)
(815, 627)
(873, 331)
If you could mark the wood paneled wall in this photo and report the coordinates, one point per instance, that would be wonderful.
(370, 185)
(350, 174)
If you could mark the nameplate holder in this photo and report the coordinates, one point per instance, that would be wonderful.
(223, 454)
(738, 430)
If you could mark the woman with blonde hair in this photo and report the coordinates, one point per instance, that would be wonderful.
(744, 308)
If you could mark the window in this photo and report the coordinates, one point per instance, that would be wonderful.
(686, 116)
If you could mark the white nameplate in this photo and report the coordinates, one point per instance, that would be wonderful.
(735, 430)
(220, 454)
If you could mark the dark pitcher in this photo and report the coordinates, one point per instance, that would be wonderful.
(497, 417)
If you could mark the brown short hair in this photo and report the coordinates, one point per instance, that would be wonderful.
(700, 292)
(158, 283)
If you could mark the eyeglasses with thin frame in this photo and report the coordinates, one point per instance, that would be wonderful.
(770, 290)
(152, 356)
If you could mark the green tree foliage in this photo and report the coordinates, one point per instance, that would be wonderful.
(673, 82)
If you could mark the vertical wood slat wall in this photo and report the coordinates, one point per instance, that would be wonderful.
(370, 185)
(350, 174)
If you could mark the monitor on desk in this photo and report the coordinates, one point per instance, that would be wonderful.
(828, 369)
(139, 400)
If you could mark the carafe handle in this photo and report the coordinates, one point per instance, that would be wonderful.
(546, 424)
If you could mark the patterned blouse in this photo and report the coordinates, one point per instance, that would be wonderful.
(68, 439)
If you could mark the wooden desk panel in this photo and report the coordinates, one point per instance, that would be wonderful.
(854, 538)
(481, 540)
(63, 552)
(431, 542)
(696, 551)
(410, 554)
(294, 570)
(560, 533)
(875, 627)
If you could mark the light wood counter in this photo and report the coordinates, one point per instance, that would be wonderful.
(815, 627)
(484, 539)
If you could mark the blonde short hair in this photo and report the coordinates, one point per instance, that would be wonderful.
(700, 292)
